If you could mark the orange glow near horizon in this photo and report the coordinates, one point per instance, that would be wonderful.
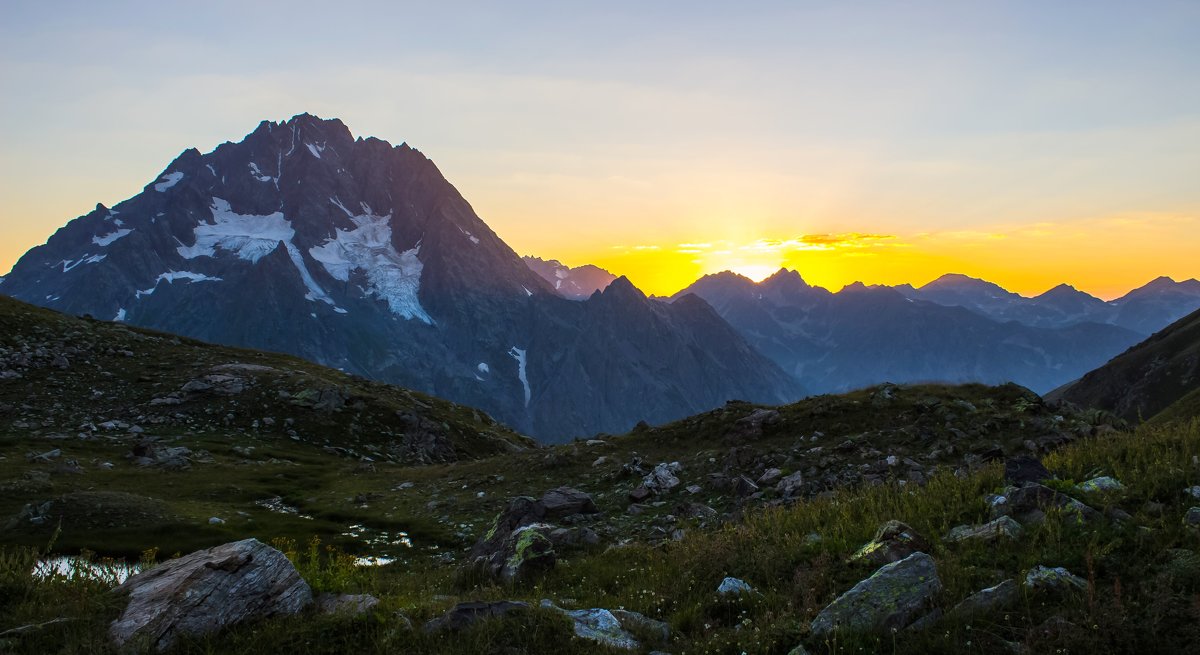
(1106, 257)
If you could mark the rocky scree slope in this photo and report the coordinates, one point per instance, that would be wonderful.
(360, 255)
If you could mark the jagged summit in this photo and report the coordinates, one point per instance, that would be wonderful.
(360, 255)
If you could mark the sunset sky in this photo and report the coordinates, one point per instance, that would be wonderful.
(1029, 143)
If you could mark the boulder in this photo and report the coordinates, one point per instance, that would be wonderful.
(744, 486)
(791, 486)
(769, 477)
(1028, 504)
(986, 600)
(1002, 528)
(892, 598)
(565, 501)
(751, 426)
(734, 587)
(893, 542)
(1057, 579)
(1192, 518)
(518, 543)
(663, 478)
(206, 591)
(1025, 468)
(464, 615)
(598, 625)
(641, 624)
(529, 551)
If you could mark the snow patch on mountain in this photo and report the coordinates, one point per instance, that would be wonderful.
(483, 368)
(315, 150)
(69, 264)
(167, 181)
(519, 355)
(257, 174)
(111, 236)
(392, 276)
(170, 276)
(248, 236)
(120, 315)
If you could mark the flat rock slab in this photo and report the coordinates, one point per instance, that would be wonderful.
(890, 599)
(207, 591)
(464, 615)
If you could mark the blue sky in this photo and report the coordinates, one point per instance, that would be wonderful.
(578, 130)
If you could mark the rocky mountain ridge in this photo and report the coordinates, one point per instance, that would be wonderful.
(360, 255)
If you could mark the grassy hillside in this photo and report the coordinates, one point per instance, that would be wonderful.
(1147, 378)
(137, 438)
(1141, 594)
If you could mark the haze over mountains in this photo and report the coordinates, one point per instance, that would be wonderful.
(360, 255)
(955, 329)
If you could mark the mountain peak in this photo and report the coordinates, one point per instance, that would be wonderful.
(622, 289)
(958, 281)
(785, 277)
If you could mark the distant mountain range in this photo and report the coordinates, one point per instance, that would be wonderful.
(1144, 310)
(955, 329)
(577, 283)
(360, 255)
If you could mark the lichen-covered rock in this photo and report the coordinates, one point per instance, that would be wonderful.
(893, 542)
(599, 625)
(891, 598)
(206, 591)
(1002, 528)
(1057, 579)
(531, 552)
(1105, 484)
(986, 600)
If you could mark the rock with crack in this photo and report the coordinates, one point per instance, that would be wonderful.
(206, 591)
(1002, 528)
(598, 625)
(791, 486)
(893, 542)
(986, 600)
(464, 615)
(892, 598)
